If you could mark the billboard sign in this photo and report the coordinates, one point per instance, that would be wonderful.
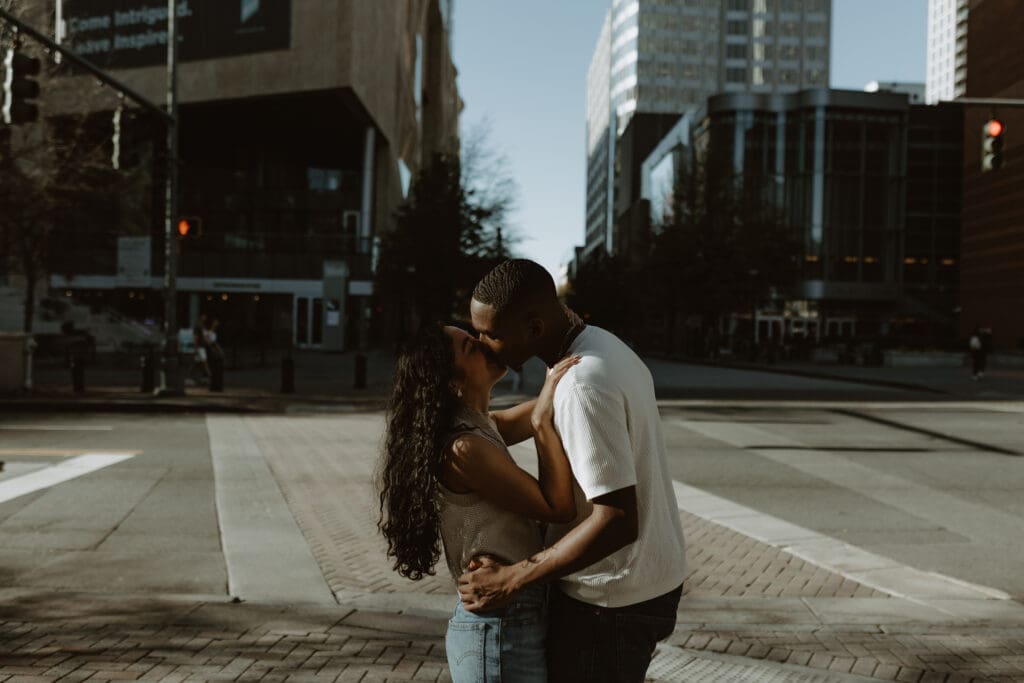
(123, 34)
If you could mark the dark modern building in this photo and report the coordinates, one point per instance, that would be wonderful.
(867, 182)
(301, 124)
(992, 268)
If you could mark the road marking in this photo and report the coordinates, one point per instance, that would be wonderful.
(892, 424)
(57, 474)
(948, 594)
(267, 556)
(56, 452)
(57, 428)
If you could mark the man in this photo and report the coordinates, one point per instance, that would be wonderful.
(620, 564)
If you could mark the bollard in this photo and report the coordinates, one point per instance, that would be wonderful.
(78, 373)
(287, 375)
(360, 372)
(147, 362)
(216, 372)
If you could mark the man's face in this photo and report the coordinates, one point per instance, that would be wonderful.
(507, 341)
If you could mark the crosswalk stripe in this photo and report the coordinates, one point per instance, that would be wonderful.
(57, 474)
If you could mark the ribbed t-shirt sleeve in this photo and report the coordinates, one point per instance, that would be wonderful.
(592, 424)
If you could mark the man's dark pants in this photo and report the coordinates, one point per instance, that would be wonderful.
(605, 644)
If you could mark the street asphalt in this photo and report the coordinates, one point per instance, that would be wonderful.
(836, 532)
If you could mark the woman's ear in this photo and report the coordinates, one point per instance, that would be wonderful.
(534, 327)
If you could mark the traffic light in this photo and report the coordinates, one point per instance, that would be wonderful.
(19, 88)
(992, 145)
(190, 225)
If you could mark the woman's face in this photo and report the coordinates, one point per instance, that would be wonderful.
(474, 362)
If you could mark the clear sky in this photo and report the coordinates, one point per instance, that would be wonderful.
(523, 66)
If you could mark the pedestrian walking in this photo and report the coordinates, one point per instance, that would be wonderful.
(200, 358)
(447, 480)
(979, 353)
(616, 570)
(215, 355)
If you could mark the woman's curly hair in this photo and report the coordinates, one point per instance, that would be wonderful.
(420, 414)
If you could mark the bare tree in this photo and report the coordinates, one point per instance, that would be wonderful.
(56, 167)
(488, 183)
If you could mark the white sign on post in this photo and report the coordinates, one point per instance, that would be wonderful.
(134, 262)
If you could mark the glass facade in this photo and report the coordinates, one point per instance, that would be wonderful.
(870, 183)
(835, 170)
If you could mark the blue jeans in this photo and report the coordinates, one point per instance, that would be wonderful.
(501, 646)
(606, 644)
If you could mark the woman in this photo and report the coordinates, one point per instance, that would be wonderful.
(448, 480)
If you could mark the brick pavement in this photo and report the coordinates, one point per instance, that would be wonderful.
(79, 637)
(329, 490)
(324, 466)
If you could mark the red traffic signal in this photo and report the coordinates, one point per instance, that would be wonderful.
(992, 145)
(190, 225)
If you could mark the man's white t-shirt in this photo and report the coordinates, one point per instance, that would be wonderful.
(607, 416)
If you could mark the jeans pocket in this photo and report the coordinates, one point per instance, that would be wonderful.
(464, 647)
(472, 649)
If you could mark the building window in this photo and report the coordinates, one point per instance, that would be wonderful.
(815, 29)
(736, 51)
(738, 5)
(736, 75)
(788, 77)
(737, 27)
(815, 76)
(791, 52)
(815, 53)
(789, 28)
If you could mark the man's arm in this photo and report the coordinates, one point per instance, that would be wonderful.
(610, 527)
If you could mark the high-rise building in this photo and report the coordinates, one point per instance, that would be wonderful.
(668, 56)
(947, 50)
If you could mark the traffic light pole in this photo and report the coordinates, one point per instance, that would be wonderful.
(174, 384)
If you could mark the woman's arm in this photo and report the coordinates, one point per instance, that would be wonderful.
(485, 468)
(514, 423)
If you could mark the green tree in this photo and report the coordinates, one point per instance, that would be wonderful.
(722, 251)
(600, 292)
(444, 241)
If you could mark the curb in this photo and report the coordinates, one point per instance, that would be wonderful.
(811, 374)
(145, 404)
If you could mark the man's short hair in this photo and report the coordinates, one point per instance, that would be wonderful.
(514, 283)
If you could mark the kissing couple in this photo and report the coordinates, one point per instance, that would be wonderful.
(574, 575)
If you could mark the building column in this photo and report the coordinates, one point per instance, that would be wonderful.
(366, 213)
